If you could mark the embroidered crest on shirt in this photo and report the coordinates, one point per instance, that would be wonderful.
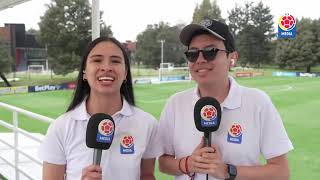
(235, 134)
(127, 144)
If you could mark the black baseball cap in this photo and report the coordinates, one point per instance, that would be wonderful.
(207, 25)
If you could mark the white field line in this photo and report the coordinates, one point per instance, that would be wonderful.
(152, 101)
(279, 89)
(269, 90)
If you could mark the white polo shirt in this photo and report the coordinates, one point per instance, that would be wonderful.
(250, 126)
(65, 143)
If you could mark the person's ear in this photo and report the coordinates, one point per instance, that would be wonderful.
(232, 61)
(233, 58)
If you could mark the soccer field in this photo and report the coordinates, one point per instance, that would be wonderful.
(297, 99)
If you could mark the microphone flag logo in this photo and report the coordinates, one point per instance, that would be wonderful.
(208, 116)
(105, 131)
(127, 144)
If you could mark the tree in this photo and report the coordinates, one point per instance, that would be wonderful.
(149, 47)
(284, 52)
(6, 61)
(32, 31)
(253, 27)
(239, 17)
(207, 9)
(172, 47)
(105, 30)
(66, 30)
(247, 42)
(316, 47)
(301, 52)
(304, 43)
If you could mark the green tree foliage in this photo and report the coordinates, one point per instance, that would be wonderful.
(104, 29)
(284, 52)
(207, 9)
(303, 51)
(263, 20)
(6, 60)
(252, 25)
(316, 40)
(239, 17)
(65, 29)
(32, 31)
(149, 46)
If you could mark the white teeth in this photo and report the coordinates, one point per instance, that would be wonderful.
(202, 70)
(106, 79)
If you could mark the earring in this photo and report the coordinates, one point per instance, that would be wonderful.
(84, 72)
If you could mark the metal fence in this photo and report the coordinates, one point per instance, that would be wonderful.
(16, 131)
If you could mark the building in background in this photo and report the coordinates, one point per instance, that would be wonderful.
(24, 48)
(131, 48)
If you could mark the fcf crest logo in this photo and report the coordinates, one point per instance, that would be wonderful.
(208, 116)
(235, 134)
(287, 26)
(127, 145)
(105, 131)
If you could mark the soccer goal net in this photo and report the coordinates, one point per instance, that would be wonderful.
(35, 68)
(168, 72)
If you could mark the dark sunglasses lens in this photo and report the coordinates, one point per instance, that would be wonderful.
(192, 56)
(209, 54)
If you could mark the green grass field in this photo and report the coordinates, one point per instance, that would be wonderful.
(297, 99)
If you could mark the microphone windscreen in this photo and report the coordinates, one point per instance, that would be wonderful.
(100, 131)
(207, 114)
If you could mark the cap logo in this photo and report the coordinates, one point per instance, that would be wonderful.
(206, 22)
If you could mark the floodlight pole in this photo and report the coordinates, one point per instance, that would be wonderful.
(95, 19)
(162, 42)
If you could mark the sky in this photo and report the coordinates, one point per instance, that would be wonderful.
(128, 18)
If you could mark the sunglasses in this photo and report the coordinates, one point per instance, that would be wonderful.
(208, 53)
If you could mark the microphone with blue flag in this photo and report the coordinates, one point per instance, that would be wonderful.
(99, 135)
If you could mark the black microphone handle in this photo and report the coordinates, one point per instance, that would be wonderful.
(97, 156)
(207, 139)
(207, 143)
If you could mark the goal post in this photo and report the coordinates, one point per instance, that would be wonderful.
(169, 73)
(36, 69)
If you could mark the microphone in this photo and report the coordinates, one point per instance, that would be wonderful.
(207, 117)
(99, 134)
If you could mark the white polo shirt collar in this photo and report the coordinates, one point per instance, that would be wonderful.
(80, 112)
(232, 101)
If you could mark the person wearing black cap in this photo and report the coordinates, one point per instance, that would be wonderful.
(250, 124)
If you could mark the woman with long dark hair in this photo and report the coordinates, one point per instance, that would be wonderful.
(104, 85)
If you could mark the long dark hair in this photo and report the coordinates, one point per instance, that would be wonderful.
(83, 89)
